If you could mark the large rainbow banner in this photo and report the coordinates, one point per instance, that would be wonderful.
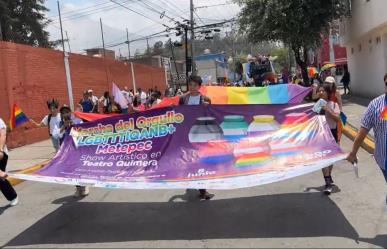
(275, 94)
(213, 147)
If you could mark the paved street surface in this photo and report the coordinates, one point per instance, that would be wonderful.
(292, 213)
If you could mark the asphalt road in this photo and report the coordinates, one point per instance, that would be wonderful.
(291, 213)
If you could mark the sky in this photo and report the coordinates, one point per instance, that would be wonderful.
(81, 20)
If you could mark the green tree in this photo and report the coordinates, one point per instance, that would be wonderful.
(157, 48)
(282, 59)
(299, 23)
(23, 21)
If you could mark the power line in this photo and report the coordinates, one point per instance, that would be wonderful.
(162, 14)
(210, 6)
(173, 5)
(82, 9)
(171, 9)
(123, 6)
(90, 12)
(200, 19)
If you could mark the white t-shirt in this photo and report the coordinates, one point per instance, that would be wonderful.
(128, 96)
(194, 100)
(143, 97)
(3, 126)
(54, 122)
(94, 99)
(331, 122)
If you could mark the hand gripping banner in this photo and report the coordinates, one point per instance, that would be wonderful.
(213, 147)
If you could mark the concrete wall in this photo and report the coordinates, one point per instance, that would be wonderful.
(368, 66)
(367, 16)
(365, 36)
(30, 76)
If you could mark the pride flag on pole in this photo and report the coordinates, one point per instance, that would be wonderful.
(18, 117)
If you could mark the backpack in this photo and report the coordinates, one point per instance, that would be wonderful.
(48, 123)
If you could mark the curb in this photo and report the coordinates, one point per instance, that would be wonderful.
(28, 170)
(351, 132)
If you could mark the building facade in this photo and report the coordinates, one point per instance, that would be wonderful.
(365, 36)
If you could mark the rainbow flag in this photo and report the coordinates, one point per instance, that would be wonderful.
(383, 115)
(275, 94)
(17, 117)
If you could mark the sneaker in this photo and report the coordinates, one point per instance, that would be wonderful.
(328, 189)
(206, 196)
(14, 202)
(84, 191)
(77, 193)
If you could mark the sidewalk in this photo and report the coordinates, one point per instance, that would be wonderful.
(354, 107)
(30, 155)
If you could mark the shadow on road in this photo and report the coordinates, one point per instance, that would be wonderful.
(379, 240)
(2, 209)
(271, 216)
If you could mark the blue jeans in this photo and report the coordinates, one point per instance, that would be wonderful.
(55, 143)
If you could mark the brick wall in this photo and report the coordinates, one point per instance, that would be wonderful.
(30, 76)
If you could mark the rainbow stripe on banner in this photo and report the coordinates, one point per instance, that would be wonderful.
(275, 94)
(17, 117)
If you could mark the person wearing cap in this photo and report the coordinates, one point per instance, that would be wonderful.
(375, 117)
(336, 96)
(330, 109)
(194, 97)
(94, 99)
(60, 133)
(87, 104)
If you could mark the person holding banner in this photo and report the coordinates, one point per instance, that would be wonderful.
(194, 97)
(67, 121)
(5, 186)
(331, 110)
(374, 118)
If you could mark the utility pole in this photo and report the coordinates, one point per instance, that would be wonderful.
(147, 46)
(61, 29)
(186, 54)
(127, 39)
(66, 64)
(68, 41)
(1, 33)
(103, 40)
(192, 36)
(174, 62)
(104, 54)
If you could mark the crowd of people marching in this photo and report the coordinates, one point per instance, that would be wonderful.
(60, 120)
(138, 101)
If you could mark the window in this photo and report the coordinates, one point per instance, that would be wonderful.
(352, 50)
(378, 39)
(359, 47)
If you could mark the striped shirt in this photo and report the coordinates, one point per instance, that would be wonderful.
(373, 119)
